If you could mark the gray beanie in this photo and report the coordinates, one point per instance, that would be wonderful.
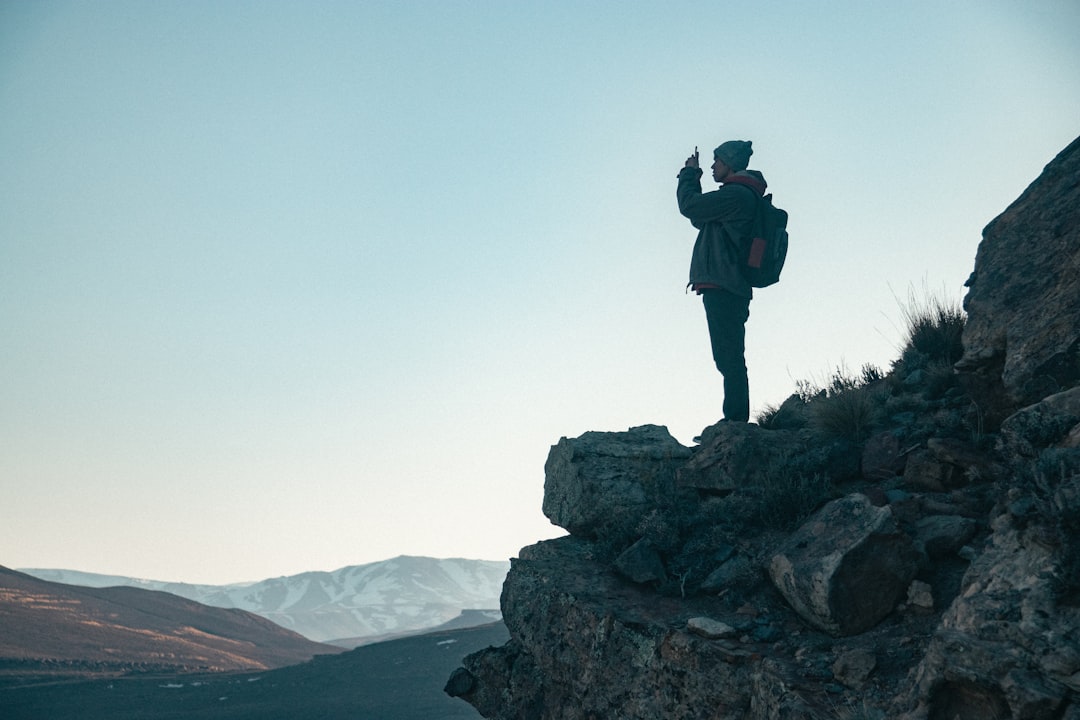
(734, 153)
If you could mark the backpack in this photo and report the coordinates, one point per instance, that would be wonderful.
(768, 245)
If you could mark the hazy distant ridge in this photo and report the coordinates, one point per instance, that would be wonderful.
(400, 595)
(54, 629)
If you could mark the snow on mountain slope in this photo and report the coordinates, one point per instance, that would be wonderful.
(400, 595)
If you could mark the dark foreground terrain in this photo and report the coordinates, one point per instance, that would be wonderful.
(396, 680)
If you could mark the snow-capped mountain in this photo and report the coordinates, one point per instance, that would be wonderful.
(398, 596)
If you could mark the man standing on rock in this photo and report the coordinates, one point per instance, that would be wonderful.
(724, 219)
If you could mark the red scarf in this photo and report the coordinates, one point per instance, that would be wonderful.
(756, 184)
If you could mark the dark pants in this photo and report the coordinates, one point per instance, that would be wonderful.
(727, 314)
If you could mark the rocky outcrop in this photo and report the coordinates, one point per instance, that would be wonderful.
(1022, 338)
(925, 565)
(605, 484)
(1009, 645)
(846, 569)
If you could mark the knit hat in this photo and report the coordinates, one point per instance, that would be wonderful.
(734, 153)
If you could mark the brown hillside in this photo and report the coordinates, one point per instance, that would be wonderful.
(52, 628)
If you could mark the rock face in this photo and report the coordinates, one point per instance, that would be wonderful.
(1007, 646)
(1022, 338)
(604, 484)
(845, 569)
(924, 568)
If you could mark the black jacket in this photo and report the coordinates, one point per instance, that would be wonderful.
(724, 219)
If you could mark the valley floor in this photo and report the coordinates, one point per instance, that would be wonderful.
(396, 680)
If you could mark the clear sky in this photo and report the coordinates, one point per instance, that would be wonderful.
(290, 286)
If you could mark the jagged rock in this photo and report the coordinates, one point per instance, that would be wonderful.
(710, 629)
(601, 485)
(734, 572)
(735, 455)
(962, 455)
(846, 568)
(505, 684)
(460, 684)
(882, 457)
(942, 535)
(920, 595)
(1007, 646)
(641, 563)
(1041, 425)
(926, 472)
(1021, 338)
(1072, 440)
(853, 667)
(587, 645)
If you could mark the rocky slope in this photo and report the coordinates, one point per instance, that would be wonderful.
(895, 545)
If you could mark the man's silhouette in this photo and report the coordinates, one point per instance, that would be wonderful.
(724, 219)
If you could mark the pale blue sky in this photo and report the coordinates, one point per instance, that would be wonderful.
(290, 286)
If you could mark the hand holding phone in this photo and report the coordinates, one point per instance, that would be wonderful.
(692, 161)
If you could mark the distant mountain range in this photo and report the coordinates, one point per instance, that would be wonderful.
(354, 605)
(51, 630)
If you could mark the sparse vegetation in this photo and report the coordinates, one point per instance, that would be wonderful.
(850, 406)
(934, 326)
(789, 498)
(850, 415)
(769, 416)
(847, 406)
(838, 381)
(789, 415)
(785, 498)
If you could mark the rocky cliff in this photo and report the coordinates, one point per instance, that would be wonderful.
(901, 544)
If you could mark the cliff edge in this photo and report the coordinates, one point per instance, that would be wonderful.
(901, 544)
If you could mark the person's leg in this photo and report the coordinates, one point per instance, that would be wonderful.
(726, 314)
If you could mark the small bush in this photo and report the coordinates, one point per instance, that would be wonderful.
(939, 378)
(851, 415)
(808, 391)
(871, 374)
(789, 415)
(768, 416)
(934, 327)
(788, 498)
(851, 407)
(838, 381)
(846, 406)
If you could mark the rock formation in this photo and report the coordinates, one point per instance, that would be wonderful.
(1022, 338)
(884, 548)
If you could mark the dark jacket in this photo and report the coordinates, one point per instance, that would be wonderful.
(724, 219)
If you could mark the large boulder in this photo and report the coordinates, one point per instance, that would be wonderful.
(846, 568)
(1021, 339)
(600, 486)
